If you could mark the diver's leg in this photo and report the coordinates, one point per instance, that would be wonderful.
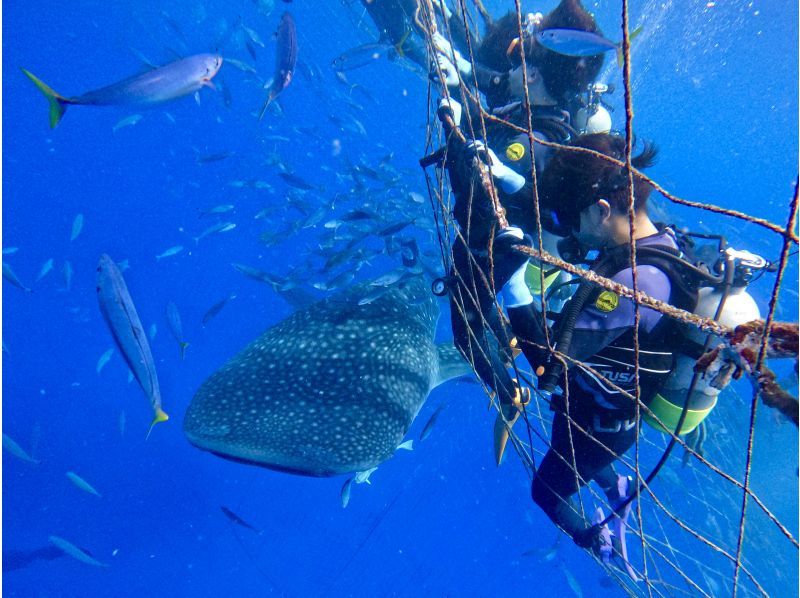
(478, 332)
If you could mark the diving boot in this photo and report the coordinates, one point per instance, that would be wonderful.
(506, 419)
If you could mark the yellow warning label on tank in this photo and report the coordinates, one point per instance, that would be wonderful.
(515, 151)
(607, 301)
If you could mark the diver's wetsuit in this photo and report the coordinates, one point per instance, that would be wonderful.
(478, 332)
(602, 422)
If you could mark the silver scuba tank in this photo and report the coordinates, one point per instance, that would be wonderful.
(739, 307)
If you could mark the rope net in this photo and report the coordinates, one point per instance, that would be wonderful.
(708, 549)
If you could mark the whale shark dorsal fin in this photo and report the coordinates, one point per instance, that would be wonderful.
(451, 363)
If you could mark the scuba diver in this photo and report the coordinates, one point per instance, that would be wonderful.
(478, 328)
(584, 199)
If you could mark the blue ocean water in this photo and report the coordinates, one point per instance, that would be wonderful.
(715, 86)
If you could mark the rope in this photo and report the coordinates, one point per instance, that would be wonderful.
(479, 281)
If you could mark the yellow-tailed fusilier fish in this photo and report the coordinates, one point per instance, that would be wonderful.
(82, 484)
(163, 84)
(76, 553)
(285, 60)
(120, 315)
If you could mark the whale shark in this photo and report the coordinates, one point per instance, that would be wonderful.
(332, 389)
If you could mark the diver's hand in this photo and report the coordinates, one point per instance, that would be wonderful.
(455, 108)
(445, 9)
(445, 49)
(510, 181)
(448, 70)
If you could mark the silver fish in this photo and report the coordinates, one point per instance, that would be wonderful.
(175, 326)
(76, 553)
(12, 447)
(345, 493)
(285, 60)
(220, 227)
(169, 252)
(46, 268)
(9, 275)
(77, 227)
(169, 82)
(128, 121)
(120, 315)
(313, 396)
(104, 359)
(68, 272)
(82, 484)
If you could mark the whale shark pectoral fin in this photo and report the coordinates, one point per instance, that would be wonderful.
(451, 363)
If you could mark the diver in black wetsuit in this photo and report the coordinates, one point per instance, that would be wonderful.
(477, 326)
(585, 198)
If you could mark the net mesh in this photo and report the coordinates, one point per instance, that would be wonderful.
(696, 525)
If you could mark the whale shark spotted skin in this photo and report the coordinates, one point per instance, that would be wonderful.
(332, 389)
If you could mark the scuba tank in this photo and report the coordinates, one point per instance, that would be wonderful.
(721, 295)
(730, 305)
(594, 116)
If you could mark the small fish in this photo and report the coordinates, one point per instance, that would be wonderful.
(175, 326)
(12, 447)
(389, 278)
(345, 493)
(238, 520)
(76, 553)
(68, 272)
(104, 359)
(426, 431)
(285, 60)
(295, 181)
(122, 423)
(10, 250)
(408, 445)
(360, 56)
(218, 157)
(373, 295)
(169, 82)
(120, 315)
(572, 582)
(220, 227)
(575, 42)
(416, 197)
(77, 227)
(215, 309)
(9, 275)
(362, 477)
(169, 252)
(220, 209)
(242, 66)
(82, 484)
(409, 253)
(394, 228)
(46, 268)
(153, 331)
(128, 121)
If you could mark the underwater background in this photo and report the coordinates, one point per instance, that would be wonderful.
(714, 85)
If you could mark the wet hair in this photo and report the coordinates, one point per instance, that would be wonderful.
(492, 51)
(567, 76)
(564, 76)
(572, 181)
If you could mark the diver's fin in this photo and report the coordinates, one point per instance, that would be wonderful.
(160, 416)
(506, 418)
(398, 47)
(58, 103)
(451, 363)
(502, 431)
